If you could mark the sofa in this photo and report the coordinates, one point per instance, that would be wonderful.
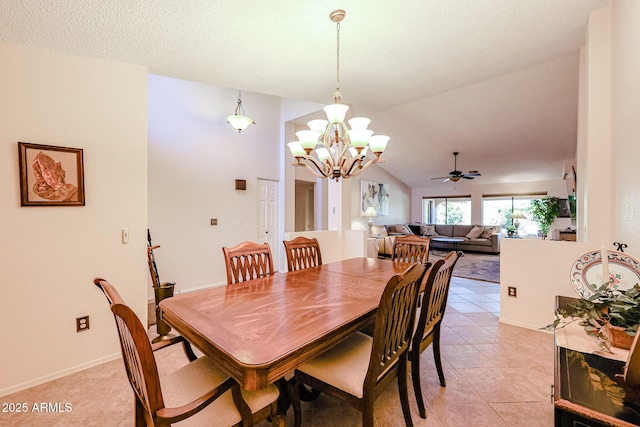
(476, 238)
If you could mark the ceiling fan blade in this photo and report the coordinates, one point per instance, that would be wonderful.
(472, 173)
(441, 177)
(467, 177)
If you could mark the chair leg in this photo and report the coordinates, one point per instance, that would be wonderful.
(294, 395)
(139, 413)
(367, 411)
(188, 351)
(402, 389)
(415, 378)
(436, 356)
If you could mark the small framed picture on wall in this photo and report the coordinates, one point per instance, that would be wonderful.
(50, 176)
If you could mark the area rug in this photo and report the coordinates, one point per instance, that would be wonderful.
(472, 265)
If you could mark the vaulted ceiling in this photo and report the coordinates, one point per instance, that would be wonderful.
(496, 80)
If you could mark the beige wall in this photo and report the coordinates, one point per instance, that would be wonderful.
(50, 255)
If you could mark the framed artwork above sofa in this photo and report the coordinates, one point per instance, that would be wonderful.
(376, 195)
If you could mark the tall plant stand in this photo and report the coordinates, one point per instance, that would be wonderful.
(161, 291)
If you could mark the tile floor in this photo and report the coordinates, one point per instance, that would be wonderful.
(497, 375)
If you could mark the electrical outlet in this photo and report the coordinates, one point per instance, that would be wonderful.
(82, 323)
(214, 221)
(511, 291)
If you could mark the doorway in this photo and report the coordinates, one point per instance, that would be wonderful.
(268, 195)
(305, 205)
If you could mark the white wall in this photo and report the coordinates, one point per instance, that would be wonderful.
(608, 138)
(399, 199)
(195, 156)
(50, 255)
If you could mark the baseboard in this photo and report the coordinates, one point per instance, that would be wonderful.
(63, 373)
(522, 325)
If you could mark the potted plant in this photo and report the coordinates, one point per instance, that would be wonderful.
(544, 211)
(604, 314)
(511, 230)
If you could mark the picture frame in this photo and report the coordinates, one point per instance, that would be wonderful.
(374, 194)
(51, 175)
(564, 209)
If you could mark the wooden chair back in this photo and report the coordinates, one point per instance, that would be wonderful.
(434, 291)
(247, 261)
(394, 324)
(137, 354)
(302, 253)
(411, 248)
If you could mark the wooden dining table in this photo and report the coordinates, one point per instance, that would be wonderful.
(259, 330)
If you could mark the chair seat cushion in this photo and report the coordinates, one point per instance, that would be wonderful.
(343, 366)
(198, 377)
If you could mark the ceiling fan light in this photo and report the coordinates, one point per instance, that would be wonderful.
(378, 143)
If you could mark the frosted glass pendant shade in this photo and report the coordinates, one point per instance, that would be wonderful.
(319, 125)
(378, 143)
(308, 138)
(239, 122)
(359, 123)
(336, 112)
(359, 137)
(323, 154)
(296, 149)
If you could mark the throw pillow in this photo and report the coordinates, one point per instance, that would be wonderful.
(403, 229)
(488, 231)
(475, 232)
(428, 230)
(378, 230)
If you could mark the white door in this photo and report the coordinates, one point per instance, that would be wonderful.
(268, 216)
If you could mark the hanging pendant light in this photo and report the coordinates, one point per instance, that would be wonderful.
(239, 120)
(342, 150)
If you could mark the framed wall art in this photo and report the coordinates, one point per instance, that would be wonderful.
(50, 176)
(374, 194)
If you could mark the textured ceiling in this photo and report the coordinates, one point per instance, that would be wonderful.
(496, 80)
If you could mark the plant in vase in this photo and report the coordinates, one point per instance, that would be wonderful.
(607, 307)
(544, 211)
(511, 230)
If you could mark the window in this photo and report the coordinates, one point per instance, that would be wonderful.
(498, 210)
(446, 210)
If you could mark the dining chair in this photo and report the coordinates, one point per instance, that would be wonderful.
(302, 252)
(411, 248)
(247, 261)
(358, 369)
(434, 290)
(198, 393)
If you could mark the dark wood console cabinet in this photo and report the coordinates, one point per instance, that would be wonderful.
(585, 392)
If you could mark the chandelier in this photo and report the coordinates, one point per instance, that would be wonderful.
(341, 151)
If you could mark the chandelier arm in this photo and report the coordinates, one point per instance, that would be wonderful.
(313, 172)
(325, 171)
(369, 163)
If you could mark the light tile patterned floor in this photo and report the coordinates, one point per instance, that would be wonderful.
(497, 375)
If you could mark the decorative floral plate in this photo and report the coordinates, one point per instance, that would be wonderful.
(586, 273)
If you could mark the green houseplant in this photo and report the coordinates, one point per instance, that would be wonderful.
(544, 211)
(607, 306)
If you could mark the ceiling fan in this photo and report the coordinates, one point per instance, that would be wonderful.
(455, 175)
